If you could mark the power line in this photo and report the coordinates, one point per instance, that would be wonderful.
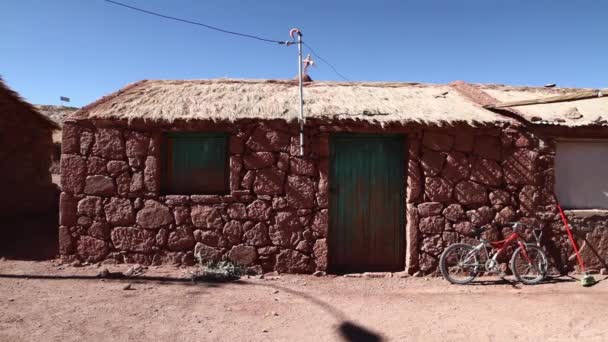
(228, 32)
(197, 23)
(325, 61)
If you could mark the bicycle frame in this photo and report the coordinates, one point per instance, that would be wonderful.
(499, 246)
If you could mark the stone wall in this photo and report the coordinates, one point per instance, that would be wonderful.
(273, 218)
(275, 215)
(463, 179)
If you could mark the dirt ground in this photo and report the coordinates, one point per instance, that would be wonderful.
(42, 301)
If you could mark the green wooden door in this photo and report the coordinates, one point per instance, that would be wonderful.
(366, 231)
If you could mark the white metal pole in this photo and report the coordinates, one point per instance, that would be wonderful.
(301, 94)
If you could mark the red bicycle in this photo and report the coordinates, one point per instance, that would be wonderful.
(460, 263)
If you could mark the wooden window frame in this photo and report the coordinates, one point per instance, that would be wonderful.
(166, 159)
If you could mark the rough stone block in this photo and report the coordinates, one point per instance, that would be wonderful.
(154, 215)
(432, 162)
(70, 142)
(87, 139)
(486, 171)
(243, 255)
(432, 225)
(67, 209)
(180, 239)
(259, 210)
(414, 181)
(286, 230)
(99, 230)
(519, 167)
(99, 185)
(481, 216)
(91, 249)
(456, 167)
(500, 197)
(258, 160)
(300, 166)
(237, 211)
(233, 231)
(320, 224)
(257, 236)
(320, 253)
(430, 209)
(137, 144)
(116, 167)
(469, 193)
(264, 138)
(300, 192)
(207, 253)
(109, 144)
(119, 212)
(206, 217)
(453, 212)
(269, 182)
(66, 244)
(96, 166)
(123, 184)
(291, 261)
(91, 206)
(438, 189)
(73, 173)
(152, 174)
(432, 245)
(133, 239)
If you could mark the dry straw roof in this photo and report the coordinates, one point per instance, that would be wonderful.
(588, 112)
(12, 103)
(379, 102)
(226, 99)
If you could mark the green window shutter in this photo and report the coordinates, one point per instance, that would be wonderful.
(196, 163)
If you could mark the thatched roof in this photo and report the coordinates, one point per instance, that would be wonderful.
(56, 113)
(227, 99)
(378, 102)
(588, 112)
(12, 103)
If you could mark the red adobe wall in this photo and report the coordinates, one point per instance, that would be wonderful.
(275, 216)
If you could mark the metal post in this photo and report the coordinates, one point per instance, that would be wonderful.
(301, 93)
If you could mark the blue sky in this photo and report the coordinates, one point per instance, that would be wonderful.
(85, 49)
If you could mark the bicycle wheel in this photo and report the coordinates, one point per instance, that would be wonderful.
(459, 263)
(533, 272)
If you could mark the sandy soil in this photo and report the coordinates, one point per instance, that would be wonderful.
(40, 301)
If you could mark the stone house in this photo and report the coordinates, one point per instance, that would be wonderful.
(25, 157)
(391, 173)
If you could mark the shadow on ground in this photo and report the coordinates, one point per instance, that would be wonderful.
(516, 285)
(119, 277)
(348, 330)
(29, 237)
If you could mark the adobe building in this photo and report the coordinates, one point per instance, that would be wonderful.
(25, 157)
(391, 173)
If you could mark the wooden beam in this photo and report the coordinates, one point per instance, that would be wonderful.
(587, 94)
